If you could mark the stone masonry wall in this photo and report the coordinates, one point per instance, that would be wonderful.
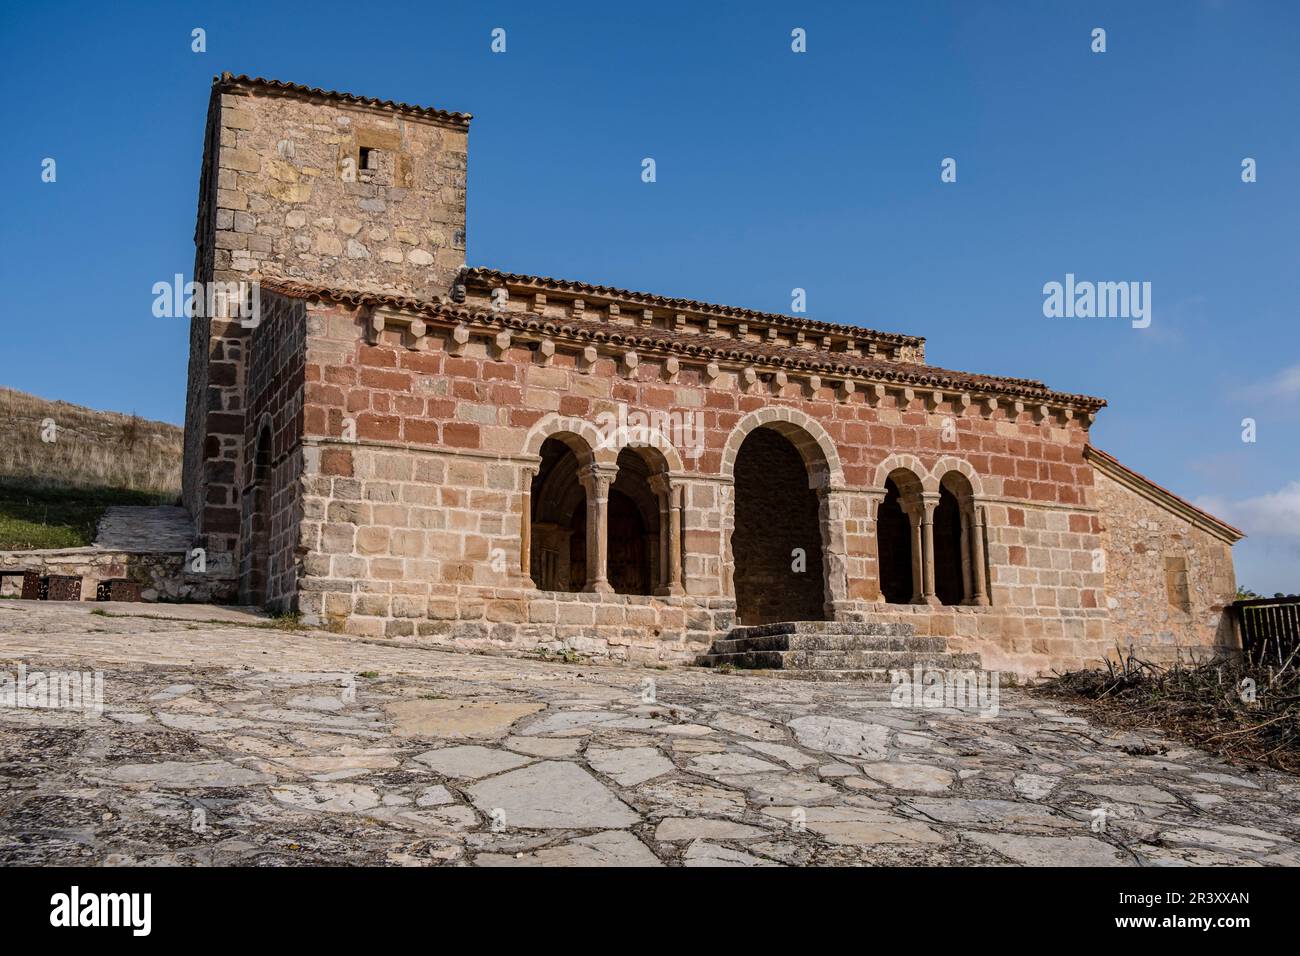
(307, 187)
(405, 520)
(1159, 611)
(275, 389)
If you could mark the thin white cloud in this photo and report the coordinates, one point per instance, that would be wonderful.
(1272, 515)
(1283, 385)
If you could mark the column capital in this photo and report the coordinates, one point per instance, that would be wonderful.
(596, 479)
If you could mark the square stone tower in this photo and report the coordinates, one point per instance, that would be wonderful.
(322, 187)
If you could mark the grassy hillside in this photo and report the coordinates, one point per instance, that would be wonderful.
(53, 492)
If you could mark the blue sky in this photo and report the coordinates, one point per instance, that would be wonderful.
(775, 170)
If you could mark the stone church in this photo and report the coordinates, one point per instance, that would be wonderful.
(400, 446)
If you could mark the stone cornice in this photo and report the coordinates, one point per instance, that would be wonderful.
(901, 382)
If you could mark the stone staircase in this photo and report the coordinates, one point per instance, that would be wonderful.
(824, 650)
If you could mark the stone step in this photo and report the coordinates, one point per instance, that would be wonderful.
(843, 660)
(828, 628)
(827, 642)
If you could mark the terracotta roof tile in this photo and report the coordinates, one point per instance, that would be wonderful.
(489, 276)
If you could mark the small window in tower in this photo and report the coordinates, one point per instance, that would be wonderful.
(369, 159)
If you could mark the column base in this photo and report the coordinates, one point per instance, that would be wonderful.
(599, 587)
(675, 590)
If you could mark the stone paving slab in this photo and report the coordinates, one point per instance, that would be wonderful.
(227, 744)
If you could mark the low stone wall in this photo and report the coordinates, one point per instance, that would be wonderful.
(162, 575)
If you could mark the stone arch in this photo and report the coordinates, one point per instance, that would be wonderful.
(777, 535)
(898, 526)
(950, 463)
(582, 437)
(906, 463)
(960, 549)
(809, 438)
(657, 446)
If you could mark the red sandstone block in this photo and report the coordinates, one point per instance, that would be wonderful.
(1016, 517)
(1006, 467)
(440, 408)
(336, 461)
(574, 405)
(500, 371)
(524, 417)
(378, 427)
(465, 389)
(460, 435)
(314, 420)
(461, 367)
(382, 378)
(717, 399)
(381, 401)
(624, 392)
(507, 395)
(1080, 523)
(358, 400)
(376, 357)
(321, 394)
(1015, 488)
(338, 374)
(1026, 468)
(420, 430)
(428, 363)
(1017, 555)
(1042, 491)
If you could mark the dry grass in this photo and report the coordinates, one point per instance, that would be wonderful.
(52, 494)
(1239, 710)
(92, 449)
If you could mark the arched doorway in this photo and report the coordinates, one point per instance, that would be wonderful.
(776, 544)
(896, 538)
(633, 532)
(254, 571)
(956, 544)
(948, 586)
(558, 559)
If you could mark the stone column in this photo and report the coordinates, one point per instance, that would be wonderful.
(670, 496)
(596, 481)
(929, 502)
(979, 563)
(527, 474)
(913, 510)
(967, 593)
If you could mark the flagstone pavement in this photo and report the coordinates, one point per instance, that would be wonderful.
(225, 742)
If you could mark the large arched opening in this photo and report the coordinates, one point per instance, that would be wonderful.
(777, 542)
(634, 522)
(953, 540)
(558, 520)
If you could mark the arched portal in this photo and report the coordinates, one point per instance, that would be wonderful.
(897, 521)
(254, 571)
(634, 511)
(956, 541)
(948, 537)
(558, 560)
(777, 543)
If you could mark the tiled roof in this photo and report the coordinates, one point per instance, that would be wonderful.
(228, 81)
(490, 276)
(1122, 473)
(694, 345)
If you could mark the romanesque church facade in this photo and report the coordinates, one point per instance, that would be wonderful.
(399, 446)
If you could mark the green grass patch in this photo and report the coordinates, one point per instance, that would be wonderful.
(34, 516)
